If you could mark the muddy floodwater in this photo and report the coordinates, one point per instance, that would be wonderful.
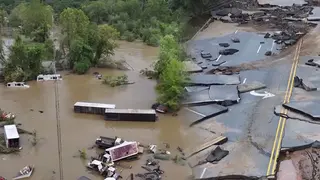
(79, 131)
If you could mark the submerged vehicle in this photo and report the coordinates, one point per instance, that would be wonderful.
(105, 142)
(98, 166)
(24, 173)
(17, 84)
(49, 77)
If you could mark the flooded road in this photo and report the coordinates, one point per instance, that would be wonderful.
(79, 131)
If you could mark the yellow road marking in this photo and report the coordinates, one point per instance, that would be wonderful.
(281, 123)
(286, 111)
(280, 120)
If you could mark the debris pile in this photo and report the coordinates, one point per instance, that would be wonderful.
(292, 21)
(6, 116)
(25, 172)
(149, 73)
(108, 163)
(115, 149)
(97, 75)
(160, 108)
(231, 53)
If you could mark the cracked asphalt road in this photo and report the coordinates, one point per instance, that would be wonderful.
(251, 125)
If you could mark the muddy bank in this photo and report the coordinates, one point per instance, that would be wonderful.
(298, 165)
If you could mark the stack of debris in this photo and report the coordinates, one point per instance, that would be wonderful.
(115, 149)
(6, 116)
(289, 19)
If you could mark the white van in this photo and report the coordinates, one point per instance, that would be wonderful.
(17, 84)
(49, 77)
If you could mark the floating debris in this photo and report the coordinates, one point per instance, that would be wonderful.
(24, 172)
(151, 162)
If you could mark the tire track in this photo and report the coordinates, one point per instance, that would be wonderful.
(57, 106)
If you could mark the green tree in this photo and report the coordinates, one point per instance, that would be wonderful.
(25, 61)
(74, 24)
(8, 5)
(105, 42)
(37, 19)
(16, 15)
(81, 67)
(97, 11)
(157, 8)
(171, 87)
(169, 49)
(80, 51)
(171, 73)
(60, 5)
(3, 18)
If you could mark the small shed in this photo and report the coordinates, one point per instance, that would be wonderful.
(11, 136)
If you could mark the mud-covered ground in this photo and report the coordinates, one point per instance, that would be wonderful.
(300, 165)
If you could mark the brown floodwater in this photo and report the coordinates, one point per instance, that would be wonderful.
(79, 131)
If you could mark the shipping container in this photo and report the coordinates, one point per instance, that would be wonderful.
(131, 115)
(92, 108)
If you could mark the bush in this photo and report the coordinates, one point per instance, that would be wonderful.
(116, 81)
(153, 40)
(81, 67)
(129, 36)
(121, 26)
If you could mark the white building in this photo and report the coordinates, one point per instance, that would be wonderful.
(11, 136)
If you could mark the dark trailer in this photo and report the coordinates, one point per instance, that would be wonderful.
(130, 115)
(92, 108)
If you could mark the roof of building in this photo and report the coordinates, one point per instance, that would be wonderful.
(11, 131)
(131, 111)
(96, 105)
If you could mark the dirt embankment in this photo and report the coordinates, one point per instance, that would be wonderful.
(300, 165)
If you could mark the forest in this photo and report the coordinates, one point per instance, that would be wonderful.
(88, 31)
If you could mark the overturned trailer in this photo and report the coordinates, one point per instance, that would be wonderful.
(92, 108)
(130, 115)
(122, 151)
